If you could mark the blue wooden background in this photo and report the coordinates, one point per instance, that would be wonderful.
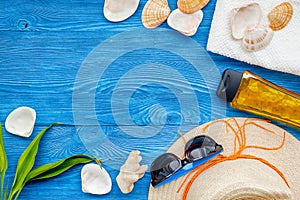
(42, 47)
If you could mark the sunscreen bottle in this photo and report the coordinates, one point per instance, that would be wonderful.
(249, 92)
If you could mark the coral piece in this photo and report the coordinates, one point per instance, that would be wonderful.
(119, 10)
(191, 6)
(155, 13)
(186, 24)
(257, 38)
(95, 179)
(131, 172)
(280, 16)
(21, 121)
(243, 17)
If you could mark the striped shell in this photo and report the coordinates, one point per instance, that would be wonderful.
(186, 24)
(280, 16)
(191, 6)
(155, 13)
(119, 10)
(257, 37)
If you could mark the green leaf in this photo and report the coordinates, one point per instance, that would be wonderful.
(26, 162)
(53, 169)
(3, 162)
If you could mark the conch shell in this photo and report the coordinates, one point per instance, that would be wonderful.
(280, 16)
(243, 17)
(131, 172)
(155, 13)
(186, 24)
(119, 10)
(257, 37)
(191, 6)
(95, 179)
(21, 121)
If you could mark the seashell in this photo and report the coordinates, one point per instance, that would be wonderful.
(95, 179)
(257, 37)
(119, 10)
(191, 6)
(155, 13)
(131, 172)
(186, 24)
(280, 16)
(21, 121)
(243, 17)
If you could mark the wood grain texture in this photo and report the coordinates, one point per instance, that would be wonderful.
(43, 45)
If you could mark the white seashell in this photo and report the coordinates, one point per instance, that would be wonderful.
(186, 24)
(243, 17)
(21, 121)
(119, 10)
(131, 172)
(257, 37)
(95, 179)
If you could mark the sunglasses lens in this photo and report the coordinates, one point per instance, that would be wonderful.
(201, 147)
(164, 166)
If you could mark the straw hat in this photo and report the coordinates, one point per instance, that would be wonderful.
(241, 178)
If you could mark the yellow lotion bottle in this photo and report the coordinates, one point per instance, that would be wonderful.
(249, 92)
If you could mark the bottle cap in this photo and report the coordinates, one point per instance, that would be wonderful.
(229, 84)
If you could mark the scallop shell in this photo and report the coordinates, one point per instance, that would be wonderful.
(186, 24)
(243, 17)
(191, 6)
(155, 13)
(95, 179)
(280, 16)
(21, 121)
(257, 38)
(119, 10)
(131, 172)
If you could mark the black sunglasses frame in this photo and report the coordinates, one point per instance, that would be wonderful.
(164, 168)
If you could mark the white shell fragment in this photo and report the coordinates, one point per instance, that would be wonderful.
(131, 172)
(21, 121)
(186, 24)
(95, 179)
(119, 10)
(257, 37)
(243, 17)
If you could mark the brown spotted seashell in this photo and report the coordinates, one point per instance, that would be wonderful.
(191, 6)
(257, 37)
(280, 16)
(155, 13)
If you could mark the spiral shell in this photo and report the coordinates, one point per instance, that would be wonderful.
(191, 6)
(280, 16)
(155, 13)
(257, 37)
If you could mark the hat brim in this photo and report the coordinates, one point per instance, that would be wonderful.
(242, 177)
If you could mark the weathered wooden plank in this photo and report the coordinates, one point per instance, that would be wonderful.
(41, 74)
(59, 15)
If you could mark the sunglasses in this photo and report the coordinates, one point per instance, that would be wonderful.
(169, 167)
